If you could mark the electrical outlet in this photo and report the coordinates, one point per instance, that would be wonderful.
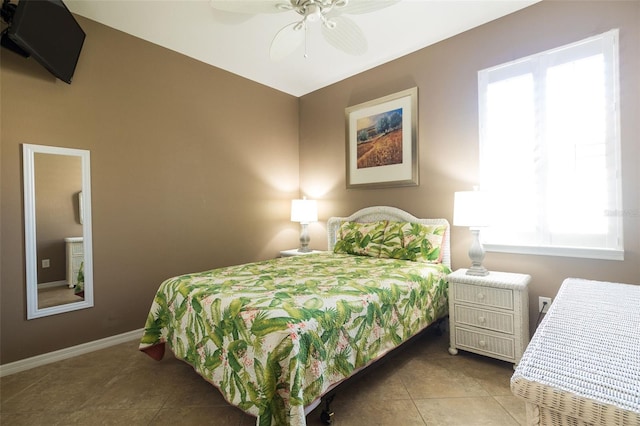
(541, 301)
(46, 263)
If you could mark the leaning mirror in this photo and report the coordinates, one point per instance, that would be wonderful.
(58, 249)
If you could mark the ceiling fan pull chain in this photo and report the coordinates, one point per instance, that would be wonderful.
(306, 34)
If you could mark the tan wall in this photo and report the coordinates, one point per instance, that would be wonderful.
(192, 168)
(446, 77)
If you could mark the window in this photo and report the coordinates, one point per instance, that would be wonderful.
(550, 151)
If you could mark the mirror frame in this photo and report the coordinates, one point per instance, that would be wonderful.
(28, 156)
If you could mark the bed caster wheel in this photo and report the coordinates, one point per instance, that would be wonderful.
(326, 417)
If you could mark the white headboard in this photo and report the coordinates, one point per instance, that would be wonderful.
(373, 214)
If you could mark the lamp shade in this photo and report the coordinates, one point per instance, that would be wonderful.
(304, 211)
(471, 208)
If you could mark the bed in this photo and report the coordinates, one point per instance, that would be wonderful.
(275, 336)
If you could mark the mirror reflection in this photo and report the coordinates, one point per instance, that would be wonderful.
(57, 230)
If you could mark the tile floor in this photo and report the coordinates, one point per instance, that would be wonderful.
(54, 296)
(419, 385)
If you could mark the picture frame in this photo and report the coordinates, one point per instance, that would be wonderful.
(382, 142)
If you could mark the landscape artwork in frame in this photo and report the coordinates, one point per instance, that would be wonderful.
(382, 148)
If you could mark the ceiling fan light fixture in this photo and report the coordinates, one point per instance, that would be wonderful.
(312, 12)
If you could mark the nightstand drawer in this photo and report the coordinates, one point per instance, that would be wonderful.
(489, 296)
(502, 346)
(491, 320)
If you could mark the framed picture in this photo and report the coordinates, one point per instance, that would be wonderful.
(382, 147)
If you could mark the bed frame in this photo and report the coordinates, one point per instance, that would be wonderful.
(376, 213)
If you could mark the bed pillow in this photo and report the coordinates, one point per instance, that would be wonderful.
(413, 241)
(363, 239)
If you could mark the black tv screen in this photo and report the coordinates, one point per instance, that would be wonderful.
(48, 31)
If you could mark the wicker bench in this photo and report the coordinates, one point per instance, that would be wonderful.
(582, 366)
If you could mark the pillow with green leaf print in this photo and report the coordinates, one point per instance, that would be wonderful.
(413, 241)
(362, 239)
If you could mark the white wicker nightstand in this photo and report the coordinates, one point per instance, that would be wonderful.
(295, 252)
(489, 315)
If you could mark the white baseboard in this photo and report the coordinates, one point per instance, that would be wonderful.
(59, 355)
(53, 284)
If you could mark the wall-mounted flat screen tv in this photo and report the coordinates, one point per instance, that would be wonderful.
(47, 30)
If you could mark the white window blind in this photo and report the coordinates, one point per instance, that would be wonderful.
(550, 151)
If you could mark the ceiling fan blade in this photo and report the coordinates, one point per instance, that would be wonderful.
(346, 36)
(287, 41)
(249, 6)
(357, 7)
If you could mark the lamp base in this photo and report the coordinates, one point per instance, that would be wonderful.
(304, 239)
(477, 271)
(476, 254)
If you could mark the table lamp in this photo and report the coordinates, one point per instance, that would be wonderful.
(304, 211)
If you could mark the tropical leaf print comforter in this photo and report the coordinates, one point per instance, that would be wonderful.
(274, 335)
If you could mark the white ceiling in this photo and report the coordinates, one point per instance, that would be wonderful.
(240, 43)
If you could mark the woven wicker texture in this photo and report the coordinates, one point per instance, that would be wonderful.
(583, 364)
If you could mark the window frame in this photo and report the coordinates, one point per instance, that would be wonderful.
(536, 65)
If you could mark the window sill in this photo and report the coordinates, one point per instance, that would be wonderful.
(587, 253)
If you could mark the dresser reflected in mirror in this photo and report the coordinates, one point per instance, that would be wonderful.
(58, 240)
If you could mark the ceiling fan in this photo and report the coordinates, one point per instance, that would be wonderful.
(339, 31)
